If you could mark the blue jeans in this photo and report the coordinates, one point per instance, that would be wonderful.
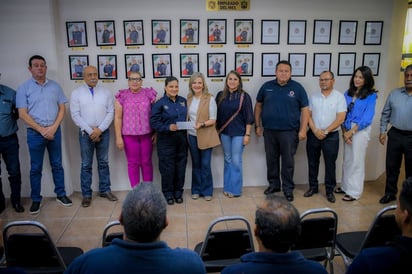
(202, 180)
(232, 172)
(329, 147)
(37, 145)
(9, 150)
(87, 148)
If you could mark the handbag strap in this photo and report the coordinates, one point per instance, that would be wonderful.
(234, 114)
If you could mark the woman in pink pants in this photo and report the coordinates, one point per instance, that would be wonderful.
(132, 128)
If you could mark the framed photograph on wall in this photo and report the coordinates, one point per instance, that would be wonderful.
(189, 63)
(216, 31)
(107, 66)
(162, 65)
(322, 31)
(243, 31)
(269, 61)
(296, 32)
(133, 32)
(270, 32)
(134, 63)
(373, 33)
(76, 34)
(372, 60)
(347, 32)
(189, 32)
(77, 64)
(321, 62)
(346, 63)
(161, 34)
(298, 62)
(216, 64)
(244, 63)
(105, 33)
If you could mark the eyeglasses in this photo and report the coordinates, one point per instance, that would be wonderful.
(350, 107)
(135, 79)
(326, 79)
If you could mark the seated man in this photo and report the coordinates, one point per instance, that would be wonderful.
(143, 218)
(277, 230)
(396, 257)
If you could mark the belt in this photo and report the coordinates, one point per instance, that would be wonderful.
(404, 132)
(3, 138)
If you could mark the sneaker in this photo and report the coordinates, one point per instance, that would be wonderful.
(208, 198)
(64, 200)
(35, 208)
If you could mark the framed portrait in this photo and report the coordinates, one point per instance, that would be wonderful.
(162, 65)
(77, 64)
(298, 62)
(372, 60)
(216, 31)
(243, 31)
(347, 32)
(296, 32)
(216, 64)
(270, 32)
(189, 32)
(322, 31)
(244, 63)
(269, 61)
(133, 32)
(105, 33)
(107, 66)
(321, 62)
(76, 34)
(346, 63)
(373, 33)
(134, 63)
(161, 34)
(189, 63)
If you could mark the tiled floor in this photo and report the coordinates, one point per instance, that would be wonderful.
(189, 221)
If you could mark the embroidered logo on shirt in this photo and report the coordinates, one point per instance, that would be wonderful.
(291, 93)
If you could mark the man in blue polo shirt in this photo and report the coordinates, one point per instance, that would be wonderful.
(41, 103)
(282, 110)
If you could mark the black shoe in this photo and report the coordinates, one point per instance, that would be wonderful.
(179, 200)
(170, 201)
(64, 200)
(271, 189)
(330, 197)
(387, 198)
(289, 196)
(109, 196)
(18, 207)
(35, 208)
(310, 192)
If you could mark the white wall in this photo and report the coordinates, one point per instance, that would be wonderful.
(38, 27)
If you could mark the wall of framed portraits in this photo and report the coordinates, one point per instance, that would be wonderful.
(161, 38)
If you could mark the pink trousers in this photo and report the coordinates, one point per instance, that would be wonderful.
(138, 149)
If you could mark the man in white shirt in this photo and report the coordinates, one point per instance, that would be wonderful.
(92, 110)
(327, 113)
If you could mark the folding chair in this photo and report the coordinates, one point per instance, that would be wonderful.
(318, 237)
(107, 237)
(33, 250)
(221, 248)
(382, 230)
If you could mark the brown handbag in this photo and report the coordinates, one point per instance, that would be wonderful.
(234, 114)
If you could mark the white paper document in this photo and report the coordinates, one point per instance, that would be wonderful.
(185, 125)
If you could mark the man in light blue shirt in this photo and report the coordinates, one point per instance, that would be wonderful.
(397, 112)
(41, 104)
(92, 110)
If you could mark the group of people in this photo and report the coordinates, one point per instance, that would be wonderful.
(282, 115)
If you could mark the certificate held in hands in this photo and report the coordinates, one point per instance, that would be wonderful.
(185, 125)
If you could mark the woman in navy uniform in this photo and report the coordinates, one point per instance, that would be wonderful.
(171, 142)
